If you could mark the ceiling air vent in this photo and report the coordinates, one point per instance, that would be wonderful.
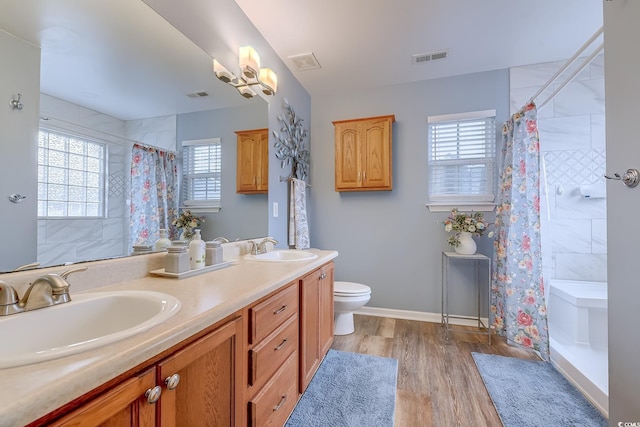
(198, 94)
(426, 57)
(305, 61)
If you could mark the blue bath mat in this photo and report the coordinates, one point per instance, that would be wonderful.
(529, 393)
(349, 390)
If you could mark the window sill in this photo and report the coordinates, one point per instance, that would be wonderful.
(202, 209)
(447, 207)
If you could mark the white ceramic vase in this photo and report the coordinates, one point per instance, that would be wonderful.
(467, 245)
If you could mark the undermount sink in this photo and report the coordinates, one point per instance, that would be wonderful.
(283, 255)
(88, 321)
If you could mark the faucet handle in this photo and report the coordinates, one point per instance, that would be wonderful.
(8, 295)
(66, 274)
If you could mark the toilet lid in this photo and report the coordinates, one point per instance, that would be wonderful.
(350, 288)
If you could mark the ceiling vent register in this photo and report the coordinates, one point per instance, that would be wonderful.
(427, 57)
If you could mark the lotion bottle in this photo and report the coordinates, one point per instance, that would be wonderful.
(163, 242)
(196, 251)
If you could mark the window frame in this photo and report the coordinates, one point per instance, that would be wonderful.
(480, 202)
(103, 174)
(200, 205)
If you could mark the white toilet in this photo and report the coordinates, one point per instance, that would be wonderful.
(347, 297)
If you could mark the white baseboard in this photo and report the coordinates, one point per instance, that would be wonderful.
(420, 316)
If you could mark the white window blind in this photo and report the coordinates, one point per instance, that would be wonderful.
(201, 171)
(71, 175)
(462, 158)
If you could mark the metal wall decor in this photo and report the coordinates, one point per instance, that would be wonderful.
(292, 146)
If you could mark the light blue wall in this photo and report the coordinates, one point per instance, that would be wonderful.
(390, 240)
(242, 215)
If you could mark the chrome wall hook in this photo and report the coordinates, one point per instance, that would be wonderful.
(15, 103)
(16, 198)
(631, 177)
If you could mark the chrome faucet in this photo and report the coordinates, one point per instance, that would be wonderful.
(45, 291)
(262, 246)
(221, 239)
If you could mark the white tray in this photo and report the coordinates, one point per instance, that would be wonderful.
(190, 273)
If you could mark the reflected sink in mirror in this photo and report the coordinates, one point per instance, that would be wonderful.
(282, 255)
(86, 322)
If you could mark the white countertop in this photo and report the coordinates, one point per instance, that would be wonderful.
(29, 392)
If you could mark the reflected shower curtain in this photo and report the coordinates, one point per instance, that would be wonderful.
(154, 201)
(518, 308)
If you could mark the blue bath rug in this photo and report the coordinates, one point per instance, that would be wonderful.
(530, 393)
(349, 390)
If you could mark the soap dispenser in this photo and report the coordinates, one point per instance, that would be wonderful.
(196, 251)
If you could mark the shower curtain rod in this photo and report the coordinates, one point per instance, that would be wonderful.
(567, 65)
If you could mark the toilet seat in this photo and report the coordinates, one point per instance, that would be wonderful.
(350, 289)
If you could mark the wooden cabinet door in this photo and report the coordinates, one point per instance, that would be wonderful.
(348, 154)
(252, 174)
(123, 405)
(263, 163)
(325, 312)
(208, 393)
(363, 154)
(376, 136)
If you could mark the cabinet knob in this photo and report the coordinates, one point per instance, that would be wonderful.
(172, 381)
(279, 405)
(153, 394)
(323, 276)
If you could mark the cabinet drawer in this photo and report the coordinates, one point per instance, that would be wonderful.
(275, 402)
(267, 356)
(266, 316)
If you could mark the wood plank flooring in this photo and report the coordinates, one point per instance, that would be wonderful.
(438, 382)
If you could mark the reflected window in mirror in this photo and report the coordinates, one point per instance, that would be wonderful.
(201, 174)
(71, 175)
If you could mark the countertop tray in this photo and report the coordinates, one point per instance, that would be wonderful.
(190, 273)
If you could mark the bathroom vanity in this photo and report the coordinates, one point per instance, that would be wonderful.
(241, 350)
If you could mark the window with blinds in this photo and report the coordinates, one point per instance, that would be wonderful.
(462, 158)
(201, 172)
(71, 176)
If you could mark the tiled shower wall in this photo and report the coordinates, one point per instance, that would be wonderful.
(72, 240)
(572, 142)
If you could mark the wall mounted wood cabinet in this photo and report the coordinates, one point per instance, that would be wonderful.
(252, 173)
(363, 154)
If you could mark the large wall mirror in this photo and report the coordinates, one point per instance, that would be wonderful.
(117, 72)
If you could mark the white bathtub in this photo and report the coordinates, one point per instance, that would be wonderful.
(578, 312)
(577, 316)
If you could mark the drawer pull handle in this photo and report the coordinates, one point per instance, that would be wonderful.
(172, 381)
(323, 276)
(282, 344)
(279, 405)
(280, 310)
(153, 394)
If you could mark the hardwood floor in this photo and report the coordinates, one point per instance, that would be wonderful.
(438, 382)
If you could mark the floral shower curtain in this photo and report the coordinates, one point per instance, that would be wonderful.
(154, 201)
(518, 308)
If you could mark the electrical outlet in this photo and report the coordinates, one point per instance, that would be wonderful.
(275, 209)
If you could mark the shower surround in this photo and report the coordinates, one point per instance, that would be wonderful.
(574, 241)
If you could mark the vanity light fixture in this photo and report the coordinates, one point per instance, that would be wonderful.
(252, 75)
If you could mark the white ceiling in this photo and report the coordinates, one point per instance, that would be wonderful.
(121, 58)
(362, 44)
